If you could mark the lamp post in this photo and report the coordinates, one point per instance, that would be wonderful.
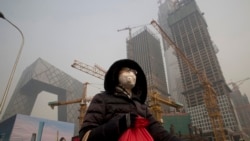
(14, 66)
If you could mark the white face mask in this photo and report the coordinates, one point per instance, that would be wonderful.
(127, 79)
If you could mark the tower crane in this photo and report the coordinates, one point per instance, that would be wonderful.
(83, 103)
(95, 71)
(238, 83)
(210, 99)
(156, 108)
(130, 29)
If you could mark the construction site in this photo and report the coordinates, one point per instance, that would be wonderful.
(171, 113)
(191, 98)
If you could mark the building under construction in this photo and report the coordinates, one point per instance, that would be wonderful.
(145, 48)
(186, 25)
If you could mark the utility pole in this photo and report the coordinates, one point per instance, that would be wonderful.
(14, 66)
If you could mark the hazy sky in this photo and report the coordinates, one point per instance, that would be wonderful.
(60, 31)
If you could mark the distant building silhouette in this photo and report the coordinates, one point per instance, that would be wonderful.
(42, 76)
(242, 107)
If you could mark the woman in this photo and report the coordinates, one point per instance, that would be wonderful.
(113, 111)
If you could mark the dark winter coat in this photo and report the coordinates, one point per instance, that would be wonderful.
(106, 108)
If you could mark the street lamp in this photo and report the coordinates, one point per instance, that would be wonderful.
(14, 66)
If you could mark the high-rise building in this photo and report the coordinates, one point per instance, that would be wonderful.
(42, 76)
(185, 23)
(145, 48)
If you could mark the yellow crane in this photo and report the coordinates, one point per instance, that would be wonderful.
(96, 71)
(210, 99)
(156, 108)
(83, 103)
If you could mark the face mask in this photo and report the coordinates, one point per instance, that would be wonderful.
(127, 79)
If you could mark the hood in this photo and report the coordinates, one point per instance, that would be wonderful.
(111, 78)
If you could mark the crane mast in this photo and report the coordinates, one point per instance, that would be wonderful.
(158, 97)
(210, 99)
(96, 71)
(156, 108)
(83, 103)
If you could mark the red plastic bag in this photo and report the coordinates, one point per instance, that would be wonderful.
(138, 133)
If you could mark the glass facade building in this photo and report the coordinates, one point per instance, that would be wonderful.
(42, 76)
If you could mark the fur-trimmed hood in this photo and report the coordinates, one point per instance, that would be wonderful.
(111, 78)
